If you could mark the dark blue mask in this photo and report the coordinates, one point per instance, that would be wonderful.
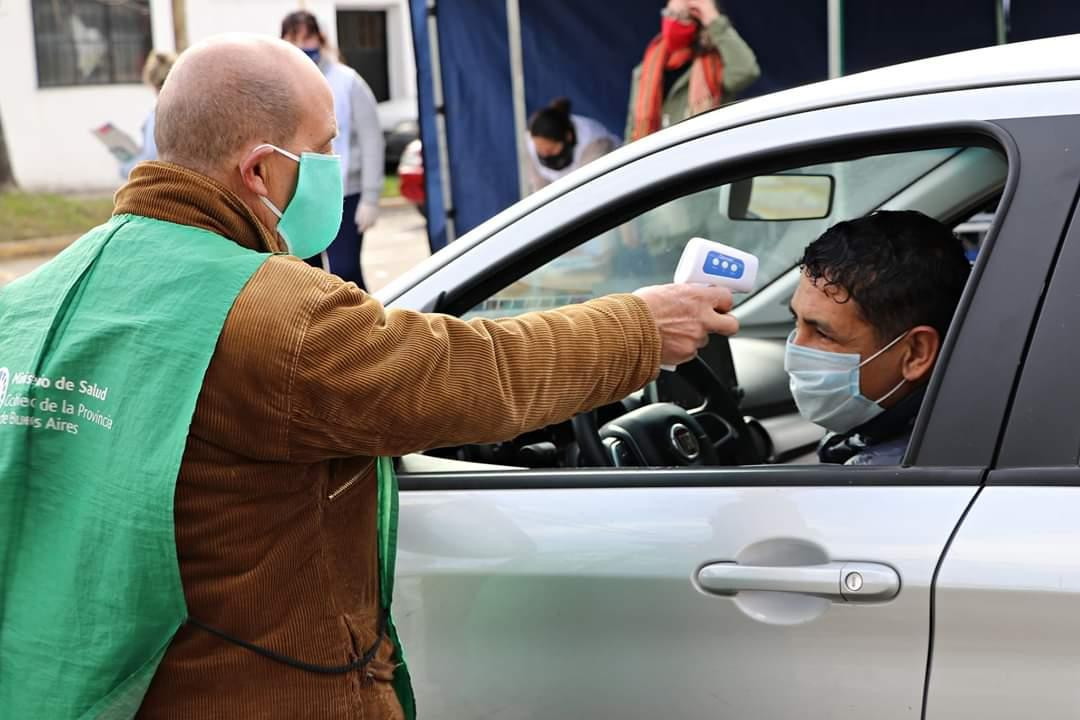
(312, 53)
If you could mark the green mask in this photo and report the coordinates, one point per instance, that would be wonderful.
(312, 218)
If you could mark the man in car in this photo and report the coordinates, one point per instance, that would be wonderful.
(197, 512)
(872, 308)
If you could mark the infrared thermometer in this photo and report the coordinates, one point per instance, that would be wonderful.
(704, 262)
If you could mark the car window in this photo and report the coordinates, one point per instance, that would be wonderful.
(774, 216)
(645, 250)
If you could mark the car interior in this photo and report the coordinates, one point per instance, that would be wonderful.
(734, 398)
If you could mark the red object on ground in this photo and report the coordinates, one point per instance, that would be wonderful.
(411, 174)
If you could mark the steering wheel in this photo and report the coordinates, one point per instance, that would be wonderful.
(664, 434)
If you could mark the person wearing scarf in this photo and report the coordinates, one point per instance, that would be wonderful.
(698, 62)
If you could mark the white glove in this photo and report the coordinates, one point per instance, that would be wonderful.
(366, 215)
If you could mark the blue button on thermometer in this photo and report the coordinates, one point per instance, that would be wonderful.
(723, 266)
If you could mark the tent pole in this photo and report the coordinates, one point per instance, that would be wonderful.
(836, 38)
(517, 88)
(1002, 8)
(440, 119)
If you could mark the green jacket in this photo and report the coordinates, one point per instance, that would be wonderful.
(740, 71)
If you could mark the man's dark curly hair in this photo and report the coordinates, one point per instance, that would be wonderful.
(901, 269)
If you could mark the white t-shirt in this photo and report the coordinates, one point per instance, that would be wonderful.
(587, 131)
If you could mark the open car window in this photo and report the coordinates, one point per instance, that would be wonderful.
(774, 216)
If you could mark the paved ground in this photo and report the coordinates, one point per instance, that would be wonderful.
(11, 269)
(396, 243)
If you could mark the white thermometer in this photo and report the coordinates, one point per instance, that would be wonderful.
(705, 262)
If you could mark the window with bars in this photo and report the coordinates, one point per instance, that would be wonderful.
(362, 41)
(91, 42)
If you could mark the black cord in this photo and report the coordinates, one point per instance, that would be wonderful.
(359, 664)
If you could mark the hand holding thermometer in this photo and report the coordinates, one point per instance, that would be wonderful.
(704, 262)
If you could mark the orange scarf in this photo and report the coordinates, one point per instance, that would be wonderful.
(706, 83)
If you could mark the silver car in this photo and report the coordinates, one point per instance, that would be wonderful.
(747, 581)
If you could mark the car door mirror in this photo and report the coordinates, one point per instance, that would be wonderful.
(781, 198)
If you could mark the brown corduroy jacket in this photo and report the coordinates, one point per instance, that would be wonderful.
(275, 502)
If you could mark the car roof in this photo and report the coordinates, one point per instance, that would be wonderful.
(1034, 61)
(1017, 63)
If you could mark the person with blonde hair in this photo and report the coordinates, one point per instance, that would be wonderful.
(155, 70)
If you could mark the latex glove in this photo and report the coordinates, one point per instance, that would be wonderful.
(366, 215)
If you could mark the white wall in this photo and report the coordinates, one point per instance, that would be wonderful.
(48, 130)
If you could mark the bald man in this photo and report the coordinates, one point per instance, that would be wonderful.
(196, 519)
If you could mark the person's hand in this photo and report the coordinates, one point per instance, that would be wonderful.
(704, 11)
(366, 215)
(685, 315)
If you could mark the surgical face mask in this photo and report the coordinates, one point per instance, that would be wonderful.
(560, 161)
(825, 386)
(311, 220)
(678, 34)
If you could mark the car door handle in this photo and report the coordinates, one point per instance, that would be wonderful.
(847, 581)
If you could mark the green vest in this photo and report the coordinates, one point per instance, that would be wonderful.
(103, 352)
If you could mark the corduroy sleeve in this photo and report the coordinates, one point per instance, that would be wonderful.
(370, 381)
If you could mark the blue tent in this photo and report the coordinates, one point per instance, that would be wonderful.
(484, 65)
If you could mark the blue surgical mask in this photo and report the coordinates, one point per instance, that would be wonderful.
(311, 220)
(825, 386)
(313, 53)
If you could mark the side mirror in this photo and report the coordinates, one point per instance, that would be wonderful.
(781, 197)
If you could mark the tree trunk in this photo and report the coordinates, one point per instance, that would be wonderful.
(179, 11)
(7, 177)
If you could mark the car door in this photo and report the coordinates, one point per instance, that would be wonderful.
(769, 591)
(1006, 626)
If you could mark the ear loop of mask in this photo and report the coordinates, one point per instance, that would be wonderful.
(265, 200)
(878, 354)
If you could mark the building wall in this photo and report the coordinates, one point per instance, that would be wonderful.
(209, 17)
(48, 130)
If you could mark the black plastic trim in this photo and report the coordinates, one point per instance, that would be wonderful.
(984, 353)
(1044, 424)
(758, 476)
(1045, 476)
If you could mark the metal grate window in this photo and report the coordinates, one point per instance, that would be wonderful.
(362, 41)
(91, 42)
